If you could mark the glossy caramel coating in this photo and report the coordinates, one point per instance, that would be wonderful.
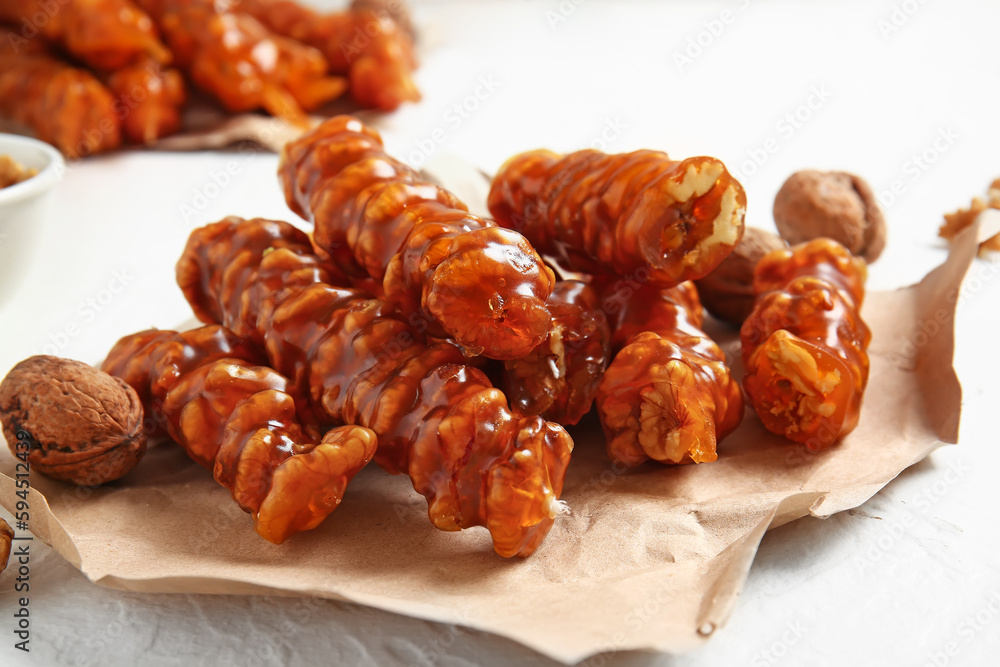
(65, 106)
(104, 34)
(668, 394)
(239, 420)
(148, 100)
(805, 344)
(623, 213)
(359, 362)
(242, 288)
(558, 379)
(632, 310)
(241, 63)
(365, 45)
(483, 285)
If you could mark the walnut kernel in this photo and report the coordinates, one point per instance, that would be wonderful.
(13, 172)
(963, 217)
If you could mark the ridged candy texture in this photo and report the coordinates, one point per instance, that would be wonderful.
(622, 214)
(668, 394)
(452, 273)
(558, 379)
(65, 106)
(245, 66)
(358, 362)
(805, 344)
(205, 388)
(365, 45)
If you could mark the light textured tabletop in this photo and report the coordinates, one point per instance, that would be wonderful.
(902, 92)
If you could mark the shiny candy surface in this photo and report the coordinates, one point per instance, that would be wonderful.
(237, 419)
(357, 361)
(668, 394)
(367, 46)
(558, 379)
(466, 278)
(240, 62)
(805, 344)
(65, 106)
(622, 213)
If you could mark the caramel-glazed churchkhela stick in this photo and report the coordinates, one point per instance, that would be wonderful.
(149, 100)
(805, 344)
(65, 106)
(366, 45)
(483, 285)
(233, 57)
(104, 34)
(668, 394)
(238, 419)
(437, 420)
(558, 379)
(599, 213)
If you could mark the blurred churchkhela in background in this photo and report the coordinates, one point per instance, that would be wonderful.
(90, 75)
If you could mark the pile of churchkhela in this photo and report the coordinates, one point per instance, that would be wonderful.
(88, 75)
(456, 349)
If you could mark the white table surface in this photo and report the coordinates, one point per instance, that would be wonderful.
(910, 578)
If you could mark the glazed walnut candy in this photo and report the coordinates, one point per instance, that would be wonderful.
(623, 213)
(668, 394)
(237, 418)
(480, 284)
(356, 361)
(805, 344)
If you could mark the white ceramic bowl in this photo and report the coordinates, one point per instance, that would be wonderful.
(23, 207)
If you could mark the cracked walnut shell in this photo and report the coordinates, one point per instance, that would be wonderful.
(835, 204)
(81, 425)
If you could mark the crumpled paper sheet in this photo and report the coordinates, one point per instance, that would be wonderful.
(652, 558)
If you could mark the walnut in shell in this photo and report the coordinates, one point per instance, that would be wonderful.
(727, 292)
(81, 424)
(835, 204)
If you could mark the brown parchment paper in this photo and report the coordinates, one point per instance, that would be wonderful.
(652, 558)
